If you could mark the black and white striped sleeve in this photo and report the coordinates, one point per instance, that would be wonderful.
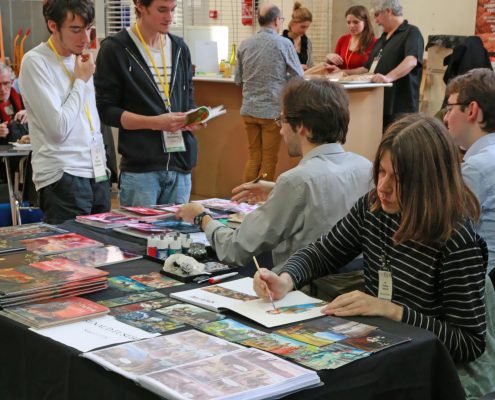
(462, 281)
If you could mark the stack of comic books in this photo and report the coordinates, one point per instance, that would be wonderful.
(59, 243)
(194, 365)
(11, 236)
(55, 312)
(44, 280)
(98, 256)
(108, 220)
(144, 214)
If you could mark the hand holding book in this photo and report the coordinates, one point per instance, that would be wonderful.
(203, 114)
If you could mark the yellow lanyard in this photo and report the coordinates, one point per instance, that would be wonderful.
(163, 80)
(71, 77)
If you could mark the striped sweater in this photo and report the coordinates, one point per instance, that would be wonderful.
(440, 287)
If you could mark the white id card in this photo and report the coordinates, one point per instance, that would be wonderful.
(98, 161)
(384, 284)
(174, 141)
(374, 64)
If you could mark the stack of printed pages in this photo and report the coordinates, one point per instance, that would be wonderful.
(193, 365)
(55, 312)
(43, 280)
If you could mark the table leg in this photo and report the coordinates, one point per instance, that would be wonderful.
(13, 201)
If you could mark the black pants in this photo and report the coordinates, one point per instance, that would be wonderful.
(72, 196)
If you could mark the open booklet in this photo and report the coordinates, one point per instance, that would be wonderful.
(239, 296)
(193, 365)
(203, 114)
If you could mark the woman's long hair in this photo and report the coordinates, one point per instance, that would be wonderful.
(367, 35)
(431, 193)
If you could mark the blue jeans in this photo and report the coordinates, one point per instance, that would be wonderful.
(157, 187)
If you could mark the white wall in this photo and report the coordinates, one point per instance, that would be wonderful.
(438, 17)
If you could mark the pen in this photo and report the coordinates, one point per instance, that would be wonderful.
(259, 178)
(269, 292)
(220, 278)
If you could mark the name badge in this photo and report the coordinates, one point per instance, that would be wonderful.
(385, 284)
(374, 64)
(98, 162)
(174, 141)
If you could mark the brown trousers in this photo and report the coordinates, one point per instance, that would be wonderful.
(264, 143)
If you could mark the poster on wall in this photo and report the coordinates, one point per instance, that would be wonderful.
(485, 24)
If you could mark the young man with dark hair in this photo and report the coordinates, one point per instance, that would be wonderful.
(471, 122)
(69, 164)
(306, 199)
(144, 86)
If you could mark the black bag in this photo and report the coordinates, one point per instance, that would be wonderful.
(16, 130)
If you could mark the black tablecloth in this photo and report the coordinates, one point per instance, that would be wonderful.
(35, 367)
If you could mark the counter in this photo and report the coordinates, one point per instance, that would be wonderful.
(223, 143)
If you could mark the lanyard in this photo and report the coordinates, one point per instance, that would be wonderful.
(348, 55)
(163, 80)
(71, 77)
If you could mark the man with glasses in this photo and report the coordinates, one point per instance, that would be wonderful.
(306, 200)
(264, 63)
(68, 160)
(471, 123)
(397, 58)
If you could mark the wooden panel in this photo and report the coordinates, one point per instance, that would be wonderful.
(223, 144)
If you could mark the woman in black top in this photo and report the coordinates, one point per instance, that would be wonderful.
(300, 22)
(424, 264)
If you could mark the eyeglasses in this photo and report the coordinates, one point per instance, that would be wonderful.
(284, 120)
(450, 106)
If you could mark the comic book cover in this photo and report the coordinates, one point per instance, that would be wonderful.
(30, 231)
(277, 344)
(98, 256)
(144, 305)
(59, 243)
(189, 314)
(375, 341)
(127, 284)
(149, 321)
(231, 330)
(21, 257)
(156, 280)
(108, 220)
(132, 298)
(334, 356)
(43, 274)
(56, 312)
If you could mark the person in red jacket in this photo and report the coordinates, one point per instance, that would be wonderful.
(353, 49)
(11, 107)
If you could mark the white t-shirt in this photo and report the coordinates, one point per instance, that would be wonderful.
(58, 126)
(157, 57)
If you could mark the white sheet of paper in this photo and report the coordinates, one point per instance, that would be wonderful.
(255, 309)
(93, 333)
(199, 237)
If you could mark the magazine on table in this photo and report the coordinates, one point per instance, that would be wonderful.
(239, 296)
(194, 365)
(98, 256)
(59, 243)
(55, 312)
(108, 220)
(30, 231)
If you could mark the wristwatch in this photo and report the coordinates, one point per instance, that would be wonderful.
(198, 219)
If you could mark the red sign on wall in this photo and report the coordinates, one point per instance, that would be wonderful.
(485, 24)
